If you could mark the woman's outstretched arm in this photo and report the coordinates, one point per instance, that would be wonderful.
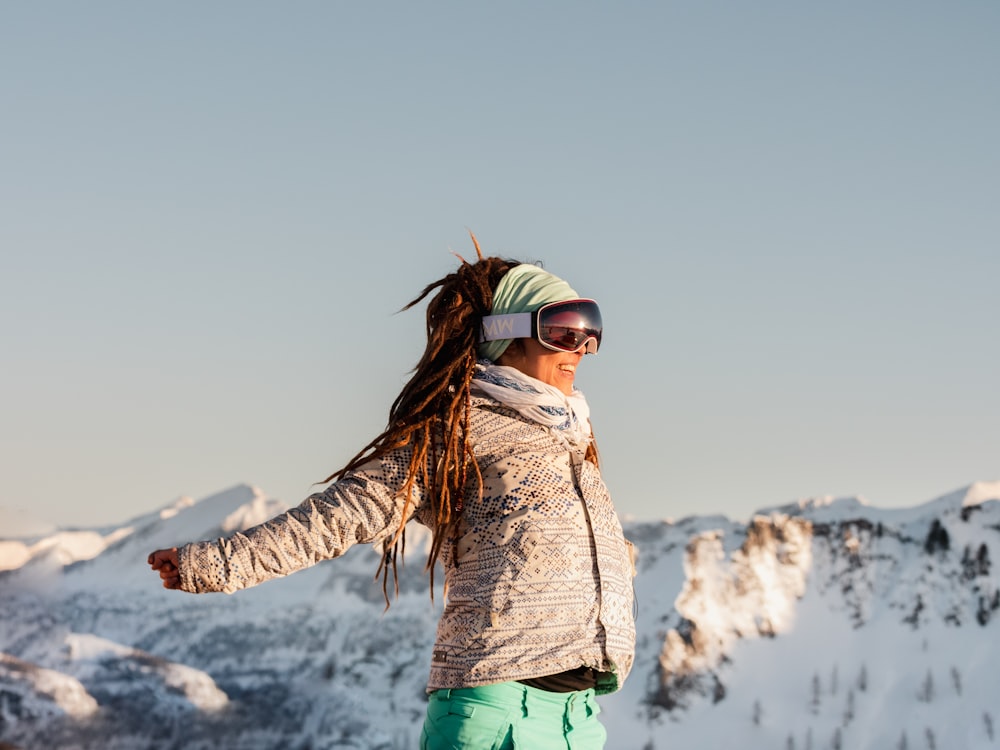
(364, 507)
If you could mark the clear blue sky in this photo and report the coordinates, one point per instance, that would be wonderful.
(211, 213)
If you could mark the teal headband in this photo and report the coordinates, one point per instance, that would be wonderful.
(524, 288)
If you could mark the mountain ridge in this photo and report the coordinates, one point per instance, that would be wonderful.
(795, 595)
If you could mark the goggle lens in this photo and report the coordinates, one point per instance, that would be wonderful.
(566, 326)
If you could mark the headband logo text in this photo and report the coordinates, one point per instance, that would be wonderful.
(503, 328)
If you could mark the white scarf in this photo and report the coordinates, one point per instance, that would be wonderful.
(568, 417)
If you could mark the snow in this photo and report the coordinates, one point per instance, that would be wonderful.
(176, 507)
(981, 492)
(13, 554)
(70, 546)
(825, 623)
(122, 561)
(60, 548)
(53, 692)
(197, 687)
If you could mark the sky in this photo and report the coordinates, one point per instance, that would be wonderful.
(212, 214)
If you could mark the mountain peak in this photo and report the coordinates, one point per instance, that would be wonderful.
(181, 520)
(171, 510)
(970, 496)
(978, 493)
(821, 508)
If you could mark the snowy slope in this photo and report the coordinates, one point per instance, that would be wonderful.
(822, 624)
(893, 634)
(39, 693)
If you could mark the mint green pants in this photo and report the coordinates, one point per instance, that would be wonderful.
(509, 715)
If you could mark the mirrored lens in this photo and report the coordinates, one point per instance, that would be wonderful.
(567, 325)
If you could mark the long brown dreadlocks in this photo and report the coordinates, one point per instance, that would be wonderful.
(431, 413)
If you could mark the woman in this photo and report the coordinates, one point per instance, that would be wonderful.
(489, 445)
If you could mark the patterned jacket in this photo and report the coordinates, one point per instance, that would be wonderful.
(538, 578)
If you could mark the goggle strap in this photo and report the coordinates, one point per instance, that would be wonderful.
(509, 326)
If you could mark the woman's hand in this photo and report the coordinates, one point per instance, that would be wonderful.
(165, 561)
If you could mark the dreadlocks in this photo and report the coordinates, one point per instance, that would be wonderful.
(431, 413)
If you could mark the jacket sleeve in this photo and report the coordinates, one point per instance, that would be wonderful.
(365, 506)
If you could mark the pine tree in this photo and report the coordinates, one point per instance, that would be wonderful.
(863, 678)
(926, 694)
(988, 721)
(814, 702)
(983, 560)
(718, 690)
(983, 612)
(937, 538)
(956, 680)
(849, 711)
(837, 741)
(929, 734)
(757, 713)
(903, 744)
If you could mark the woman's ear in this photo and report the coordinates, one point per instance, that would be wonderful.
(513, 353)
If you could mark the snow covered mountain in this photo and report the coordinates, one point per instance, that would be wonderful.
(822, 624)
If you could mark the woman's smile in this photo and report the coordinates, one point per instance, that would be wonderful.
(557, 369)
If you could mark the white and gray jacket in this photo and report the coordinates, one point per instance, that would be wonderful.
(538, 578)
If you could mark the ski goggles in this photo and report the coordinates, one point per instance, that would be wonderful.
(560, 326)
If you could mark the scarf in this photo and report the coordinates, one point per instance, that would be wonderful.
(567, 417)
